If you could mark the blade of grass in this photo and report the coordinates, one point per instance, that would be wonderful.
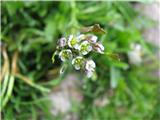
(9, 92)
(4, 87)
(29, 82)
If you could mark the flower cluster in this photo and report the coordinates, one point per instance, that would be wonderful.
(76, 48)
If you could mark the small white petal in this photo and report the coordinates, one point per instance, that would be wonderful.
(62, 58)
(77, 67)
(70, 37)
(69, 41)
(90, 65)
(99, 48)
(79, 57)
(85, 42)
(89, 74)
(60, 55)
(81, 37)
(94, 39)
(138, 47)
(73, 42)
(73, 61)
(76, 46)
(84, 53)
(69, 44)
(90, 48)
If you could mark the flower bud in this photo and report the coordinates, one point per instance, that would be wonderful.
(98, 47)
(62, 42)
(90, 68)
(91, 38)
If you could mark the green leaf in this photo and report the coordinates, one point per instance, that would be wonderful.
(95, 29)
(113, 56)
(120, 65)
(13, 7)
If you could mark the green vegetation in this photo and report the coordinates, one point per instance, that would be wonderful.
(29, 34)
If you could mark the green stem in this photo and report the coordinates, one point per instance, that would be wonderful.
(41, 88)
(74, 22)
(29, 82)
(9, 92)
(4, 87)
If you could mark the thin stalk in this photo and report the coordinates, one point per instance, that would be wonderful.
(29, 82)
(9, 91)
(4, 87)
(74, 22)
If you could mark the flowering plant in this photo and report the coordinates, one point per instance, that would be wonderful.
(75, 49)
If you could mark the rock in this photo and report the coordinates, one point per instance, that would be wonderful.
(63, 95)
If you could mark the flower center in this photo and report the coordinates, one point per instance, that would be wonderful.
(84, 47)
(65, 54)
(78, 61)
(73, 41)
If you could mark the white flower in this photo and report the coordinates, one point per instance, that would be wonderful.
(62, 42)
(90, 68)
(85, 47)
(78, 62)
(73, 42)
(99, 47)
(90, 65)
(134, 55)
(136, 47)
(65, 55)
(92, 38)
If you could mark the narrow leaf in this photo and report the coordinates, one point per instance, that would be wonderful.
(113, 56)
(95, 29)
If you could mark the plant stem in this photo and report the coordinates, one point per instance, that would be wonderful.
(9, 92)
(4, 87)
(74, 22)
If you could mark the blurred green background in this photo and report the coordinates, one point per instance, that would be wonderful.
(29, 34)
